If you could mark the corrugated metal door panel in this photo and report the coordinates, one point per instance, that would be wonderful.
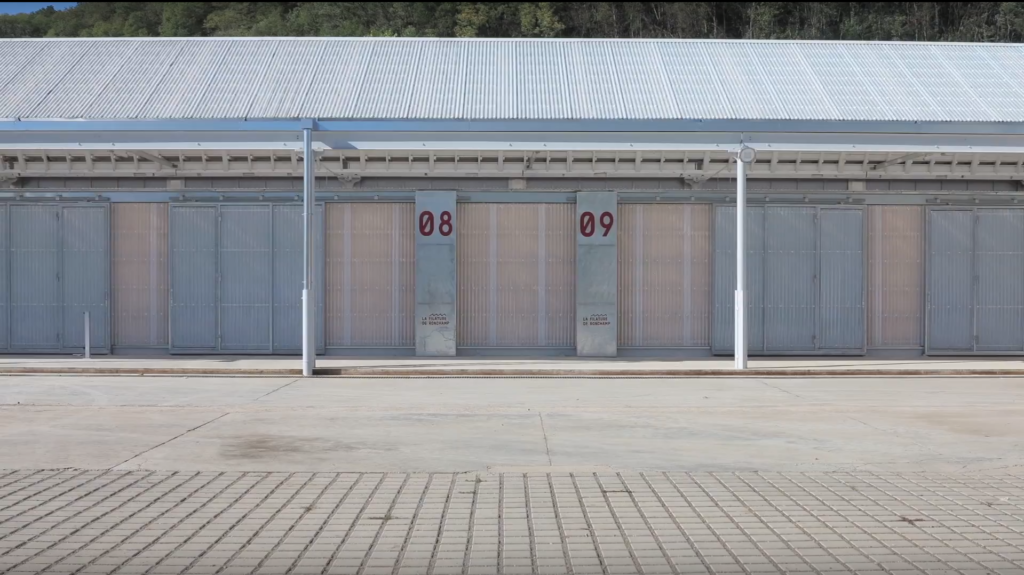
(516, 275)
(474, 248)
(36, 310)
(841, 308)
(288, 278)
(4, 278)
(1000, 267)
(664, 275)
(725, 278)
(950, 280)
(193, 252)
(895, 276)
(246, 280)
(516, 315)
(790, 290)
(139, 295)
(558, 264)
(370, 274)
(85, 237)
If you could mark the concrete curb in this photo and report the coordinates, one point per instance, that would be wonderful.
(513, 372)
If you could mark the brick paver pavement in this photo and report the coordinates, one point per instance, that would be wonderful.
(87, 522)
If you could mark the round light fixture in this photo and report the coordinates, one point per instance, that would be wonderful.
(747, 155)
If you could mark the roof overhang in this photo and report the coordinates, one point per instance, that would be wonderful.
(189, 148)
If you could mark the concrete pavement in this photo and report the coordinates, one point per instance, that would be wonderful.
(466, 476)
(516, 366)
(466, 424)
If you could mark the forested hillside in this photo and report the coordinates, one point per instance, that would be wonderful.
(960, 21)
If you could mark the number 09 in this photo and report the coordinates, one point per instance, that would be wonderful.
(587, 221)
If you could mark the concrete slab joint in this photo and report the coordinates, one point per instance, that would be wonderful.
(435, 273)
(596, 274)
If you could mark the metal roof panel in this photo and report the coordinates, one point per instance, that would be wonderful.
(506, 79)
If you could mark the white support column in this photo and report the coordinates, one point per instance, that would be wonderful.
(745, 156)
(308, 227)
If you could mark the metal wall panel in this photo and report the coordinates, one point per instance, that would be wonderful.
(516, 275)
(85, 238)
(370, 274)
(790, 286)
(288, 277)
(724, 271)
(140, 288)
(999, 253)
(950, 280)
(895, 276)
(193, 296)
(803, 295)
(664, 275)
(841, 305)
(245, 249)
(36, 308)
(5, 285)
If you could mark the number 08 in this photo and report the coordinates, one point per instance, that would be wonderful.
(427, 223)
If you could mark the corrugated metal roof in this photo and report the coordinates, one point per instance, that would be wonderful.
(383, 79)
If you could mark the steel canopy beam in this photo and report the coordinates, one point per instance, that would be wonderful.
(665, 125)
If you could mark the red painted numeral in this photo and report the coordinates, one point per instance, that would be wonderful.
(587, 224)
(427, 223)
(446, 224)
(607, 220)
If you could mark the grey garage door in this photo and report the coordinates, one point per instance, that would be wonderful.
(57, 258)
(975, 280)
(805, 280)
(236, 278)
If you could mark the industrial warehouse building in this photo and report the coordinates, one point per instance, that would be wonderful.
(511, 196)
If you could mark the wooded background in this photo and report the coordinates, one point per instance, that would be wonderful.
(935, 21)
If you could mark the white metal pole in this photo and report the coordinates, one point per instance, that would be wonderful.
(740, 343)
(308, 226)
(88, 344)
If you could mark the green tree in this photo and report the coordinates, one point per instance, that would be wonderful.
(950, 21)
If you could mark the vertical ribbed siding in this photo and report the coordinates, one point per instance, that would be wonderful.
(288, 280)
(841, 259)
(790, 268)
(140, 274)
(516, 275)
(895, 276)
(370, 275)
(723, 296)
(193, 295)
(950, 280)
(5, 278)
(999, 264)
(85, 235)
(245, 278)
(664, 275)
(36, 311)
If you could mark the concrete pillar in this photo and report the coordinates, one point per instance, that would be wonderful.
(435, 273)
(597, 274)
